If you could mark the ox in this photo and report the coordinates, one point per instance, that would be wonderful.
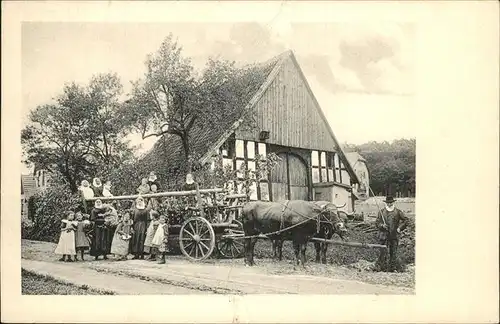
(298, 221)
(326, 232)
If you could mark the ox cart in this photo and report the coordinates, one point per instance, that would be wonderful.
(201, 228)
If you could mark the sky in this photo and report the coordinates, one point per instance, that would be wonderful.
(361, 74)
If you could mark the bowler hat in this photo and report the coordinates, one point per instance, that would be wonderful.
(389, 199)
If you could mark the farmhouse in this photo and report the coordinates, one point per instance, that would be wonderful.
(30, 185)
(289, 123)
(358, 164)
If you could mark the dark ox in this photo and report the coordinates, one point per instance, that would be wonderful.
(326, 232)
(298, 219)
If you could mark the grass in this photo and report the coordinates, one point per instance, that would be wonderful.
(35, 284)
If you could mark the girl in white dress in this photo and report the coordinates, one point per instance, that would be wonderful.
(66, 245)
(160, 240)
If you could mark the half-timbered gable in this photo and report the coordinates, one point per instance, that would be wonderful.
(288, 122)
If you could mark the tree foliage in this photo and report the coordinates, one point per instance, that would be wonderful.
(80, 135)
(47, 209)
(171, 98)
(391, 165)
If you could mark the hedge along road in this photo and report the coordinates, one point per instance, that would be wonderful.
(180, 276)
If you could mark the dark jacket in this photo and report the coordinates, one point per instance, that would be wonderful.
(393, 220)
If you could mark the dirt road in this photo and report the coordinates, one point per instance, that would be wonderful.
(180, 276)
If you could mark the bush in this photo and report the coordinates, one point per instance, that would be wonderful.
(48, 208)
(344, 255)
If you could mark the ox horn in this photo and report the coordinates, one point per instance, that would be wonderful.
(341, 206)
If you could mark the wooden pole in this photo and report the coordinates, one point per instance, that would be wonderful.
(235, 196)
(353, 244)
(159, 194)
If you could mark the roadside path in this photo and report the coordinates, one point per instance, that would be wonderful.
(179, 276)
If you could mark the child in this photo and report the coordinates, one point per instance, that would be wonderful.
(106, 190)
(121, 239)
(66, 245)
(153, 226)
(144, 187)
(160, 240)
(81, 239)
(153, 202)
(88, 229)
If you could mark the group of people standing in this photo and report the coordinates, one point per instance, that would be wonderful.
(137, 230)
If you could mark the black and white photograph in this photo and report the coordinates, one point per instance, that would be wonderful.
(211, 157)
(218, 158)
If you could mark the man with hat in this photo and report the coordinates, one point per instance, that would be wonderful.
(390, 222)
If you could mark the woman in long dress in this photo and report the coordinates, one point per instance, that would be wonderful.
(111, 222)
(141, 215)
(121, 239)
(99, 244)
(66, 245)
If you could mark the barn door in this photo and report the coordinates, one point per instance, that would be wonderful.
(279, 179)
(298, 178)
(289, 179)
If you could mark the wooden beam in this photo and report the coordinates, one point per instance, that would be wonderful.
(288, 187)
(235, 196)
(352, 244)
(257, 175)
(159, 194)
(269, 183)
(319, 167)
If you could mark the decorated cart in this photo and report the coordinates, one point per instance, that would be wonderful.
(203, 221)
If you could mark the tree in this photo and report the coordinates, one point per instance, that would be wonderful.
(172, 99)
(391, 165)
(79, 135)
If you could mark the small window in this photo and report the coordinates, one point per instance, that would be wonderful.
(315, 175)
(239, 165)
(251, 150)
(323, 175)
(262, 149)
(329, 159)
(323, 159)
(314, 158)
(251, 165)
(239, 148)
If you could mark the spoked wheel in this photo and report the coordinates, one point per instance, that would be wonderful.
(229, 247)
(197, 238)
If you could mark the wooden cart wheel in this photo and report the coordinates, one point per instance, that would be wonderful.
(197, 238)
(229, 247)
